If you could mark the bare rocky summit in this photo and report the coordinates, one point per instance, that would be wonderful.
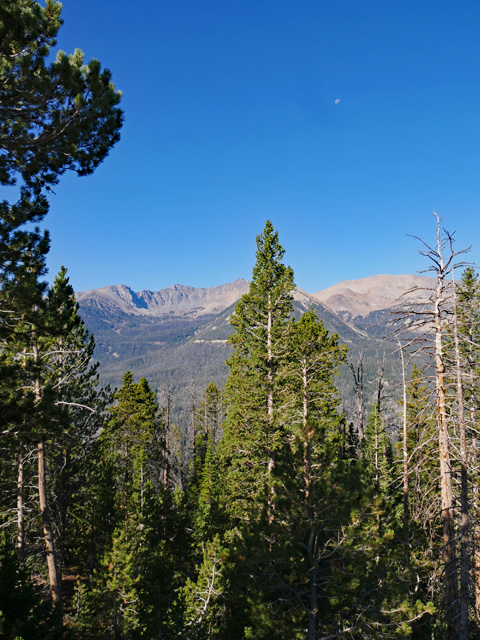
(362, 297)
(177, 299)
(351, 298)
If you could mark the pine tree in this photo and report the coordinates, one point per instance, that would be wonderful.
(422, 451)
(253, 432)
(312, 476)
(55, 115)
(468, 323)
(133, 585)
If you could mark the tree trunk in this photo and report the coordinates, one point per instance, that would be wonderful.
(271, 453)
(20, 505)
(52, 563)
(358, 384)
(449, 554)
(193, 427)
(406, 514)
(166, 454)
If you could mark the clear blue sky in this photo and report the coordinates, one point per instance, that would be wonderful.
(231, 118)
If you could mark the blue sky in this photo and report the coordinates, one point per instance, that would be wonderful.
(231, 118)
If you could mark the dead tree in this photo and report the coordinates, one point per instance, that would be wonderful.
(424, 326)
(357, 373)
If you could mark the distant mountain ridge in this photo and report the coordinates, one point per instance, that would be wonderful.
(356, 297)
(177, 298)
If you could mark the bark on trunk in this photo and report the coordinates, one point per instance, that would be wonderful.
(193, 427)
(406, 514)
(358, 384)
(20, 505)
(271, 453)
(52, 563)
(449, 553)
(54, 578)
(166, 455)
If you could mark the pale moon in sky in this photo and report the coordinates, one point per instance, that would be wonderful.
(337, 100)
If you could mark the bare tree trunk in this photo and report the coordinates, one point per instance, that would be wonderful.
(20, 492)
(193, 424)
(166, 462)
(434, 320)
(381, 385)
(52, 563)
(406, 514)
(166, 453)
(449, 553)
(357, 373)
(20, 505)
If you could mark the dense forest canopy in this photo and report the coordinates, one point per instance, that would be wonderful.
(272, 513)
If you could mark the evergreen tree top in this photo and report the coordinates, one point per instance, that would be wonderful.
(269, 269)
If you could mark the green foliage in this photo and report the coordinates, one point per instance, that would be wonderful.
(127, 437)
(24, 611)
(203, 600)
(468, 312)
(252, 430)
(69, 117)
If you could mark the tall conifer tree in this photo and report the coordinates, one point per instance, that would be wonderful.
(253, 430)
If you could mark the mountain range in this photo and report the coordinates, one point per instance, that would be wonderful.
(177, 337)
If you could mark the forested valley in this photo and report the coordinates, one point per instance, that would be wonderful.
(274, 513)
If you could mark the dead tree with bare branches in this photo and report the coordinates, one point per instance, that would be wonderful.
(425, 327)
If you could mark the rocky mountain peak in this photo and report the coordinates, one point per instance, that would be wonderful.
(374, 293)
